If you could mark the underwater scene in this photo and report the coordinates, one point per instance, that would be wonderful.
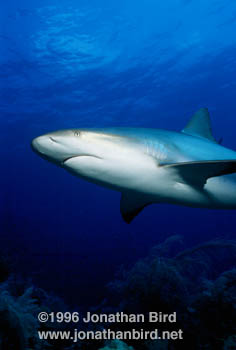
(118, 175)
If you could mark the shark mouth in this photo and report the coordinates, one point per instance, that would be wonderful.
(78, 156)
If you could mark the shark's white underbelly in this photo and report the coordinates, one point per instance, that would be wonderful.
(218, 193)
(156, 183)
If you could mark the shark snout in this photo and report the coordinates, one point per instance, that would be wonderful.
(55, 147)
(49, 147)
(42, 144)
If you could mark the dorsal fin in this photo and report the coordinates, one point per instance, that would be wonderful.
(200, 125)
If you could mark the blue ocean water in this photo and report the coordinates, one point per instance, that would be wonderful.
(72, 64)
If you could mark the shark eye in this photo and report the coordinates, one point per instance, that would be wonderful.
(76, 133)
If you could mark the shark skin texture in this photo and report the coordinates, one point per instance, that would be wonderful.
(148, 166)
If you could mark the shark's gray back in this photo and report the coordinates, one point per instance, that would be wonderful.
(175, 143)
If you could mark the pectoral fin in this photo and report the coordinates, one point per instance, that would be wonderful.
(131, 205)
(197, 173)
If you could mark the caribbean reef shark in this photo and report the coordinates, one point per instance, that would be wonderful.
(149, 165)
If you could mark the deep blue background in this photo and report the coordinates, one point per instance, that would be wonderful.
(67, 64)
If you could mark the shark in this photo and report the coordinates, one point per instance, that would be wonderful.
(188, 167)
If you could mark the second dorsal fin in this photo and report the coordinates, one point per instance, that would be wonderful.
(200, 125)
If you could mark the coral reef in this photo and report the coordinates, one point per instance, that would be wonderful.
(18, 324)
(230, 343)
(117, 345)
(198, 283)
(19, 309)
